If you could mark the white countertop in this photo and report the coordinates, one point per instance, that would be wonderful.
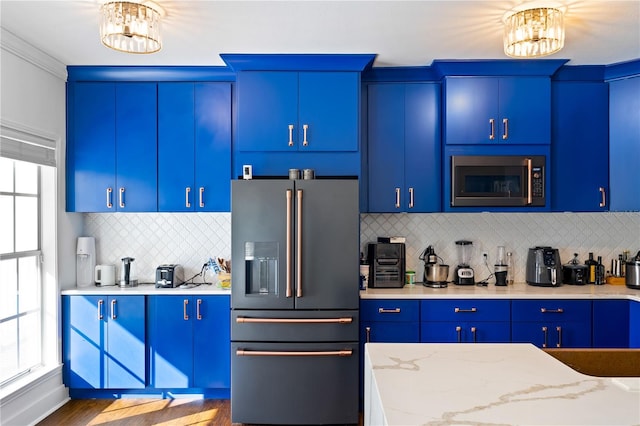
(147, 289)
(488, 384)
(515, 291)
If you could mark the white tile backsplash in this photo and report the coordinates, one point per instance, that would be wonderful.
(191, 238)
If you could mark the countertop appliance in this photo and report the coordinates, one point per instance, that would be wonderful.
(498, 180)
(126, 273)
(169, 275)
(435, 274)
(632, 272)
(573, 272)
(544, 267)
(386, 265)
(464, 272)
(85, 261)
(295, 301)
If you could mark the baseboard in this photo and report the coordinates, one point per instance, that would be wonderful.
(35, 401)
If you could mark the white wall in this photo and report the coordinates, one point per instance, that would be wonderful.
(32, 87)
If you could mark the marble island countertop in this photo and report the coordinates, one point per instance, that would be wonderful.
(488, 384)
(514, 291)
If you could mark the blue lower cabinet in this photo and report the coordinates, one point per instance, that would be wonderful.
(634, 324)
(104, 342)
(611, 323)
(189, 342)
(465, 332)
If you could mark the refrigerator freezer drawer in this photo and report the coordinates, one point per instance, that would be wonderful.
(294, 326)
(317, 383)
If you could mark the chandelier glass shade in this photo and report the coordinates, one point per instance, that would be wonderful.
(533, 33)
(130, 27)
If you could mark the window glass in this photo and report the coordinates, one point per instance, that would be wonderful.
(8, 288)
(6, 223)
(8, 349)
(6, 175)
(26, 178)
(29, 332)
(28, 284)
(26, 223)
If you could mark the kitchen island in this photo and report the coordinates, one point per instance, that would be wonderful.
(488, 384)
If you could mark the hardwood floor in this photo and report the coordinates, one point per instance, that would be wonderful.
(139, 412)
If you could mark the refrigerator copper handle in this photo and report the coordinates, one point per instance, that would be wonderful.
(456, 310)
(342, 320)
(492, 123)
(187, 191)
(388, 311)
(288, 272)
(243, 352)
(100, 313)
(551, 311)
(113, 309)
(544, 332)
(198, 313)
(505, 124)
(185, 315)
(201, 196)
(459, 333)
(410, 198)
(122, 197)
(529, 182)
(603, 203)
(109, 198)
(397, 198)
(299, 246)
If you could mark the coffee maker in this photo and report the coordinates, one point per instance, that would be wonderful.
(464, 272)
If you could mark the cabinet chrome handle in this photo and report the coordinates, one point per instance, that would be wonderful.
(368, 331)
(410, 198)
(505, 125)
(289, 243)
(121, 197)
(290, 134)
(184, 309)
(397, 198)
(457, 310)
(559, 330)
(113, 309)
(529, 182)
(299, 246)
(459, 332)
(544, 332)
(198, 314)
(201, 196)
(603, 194)
(187, 191)
(109, 198)
(388, 311)
(551, 311)
(100, 313)
(305, 127)
(492, 123)
(473, 332)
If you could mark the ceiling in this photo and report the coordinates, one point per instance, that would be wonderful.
(401, 33)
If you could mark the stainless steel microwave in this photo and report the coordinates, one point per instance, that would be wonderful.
(498, 181)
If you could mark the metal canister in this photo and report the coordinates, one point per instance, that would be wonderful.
(308, 174)
(294, 174)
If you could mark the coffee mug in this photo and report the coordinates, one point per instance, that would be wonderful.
(105, 275)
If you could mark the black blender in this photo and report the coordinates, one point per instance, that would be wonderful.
(464, 272)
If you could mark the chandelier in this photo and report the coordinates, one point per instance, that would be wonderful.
(533, 33)
(131, 27)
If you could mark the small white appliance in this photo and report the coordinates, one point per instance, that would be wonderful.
(85, 261)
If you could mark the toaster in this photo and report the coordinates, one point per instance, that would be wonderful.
(168, 276)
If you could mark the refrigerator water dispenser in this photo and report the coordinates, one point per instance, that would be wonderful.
(261, 263)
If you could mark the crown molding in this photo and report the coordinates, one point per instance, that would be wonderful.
(17, 46)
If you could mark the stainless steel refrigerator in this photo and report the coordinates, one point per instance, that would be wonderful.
(294, 300)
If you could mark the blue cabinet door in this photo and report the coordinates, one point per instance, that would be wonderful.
(465, 332)
(126, 340)
(624, 144)
(634, 324)
(611, 323)
(329, 105)
(213, 147)
(170, 341)
(91, 149)
(267, 105)
(580, 148)
(212, 342)
(176, 151)
(404, 148)
(552, 334)
(490, 110)
(136, 147)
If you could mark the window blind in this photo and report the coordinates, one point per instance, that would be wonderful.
(26, 145)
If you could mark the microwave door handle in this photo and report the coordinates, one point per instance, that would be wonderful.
(529, 183)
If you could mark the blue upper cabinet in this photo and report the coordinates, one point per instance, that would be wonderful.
(404, 148)
(194, 146)
(624, 143)
(298, 111)
(580, 148)
(111, 157)
(492, 110)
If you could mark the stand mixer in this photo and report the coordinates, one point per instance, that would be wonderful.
(464, 273)
(435, 274)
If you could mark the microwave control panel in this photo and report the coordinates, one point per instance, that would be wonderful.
(537, 182)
